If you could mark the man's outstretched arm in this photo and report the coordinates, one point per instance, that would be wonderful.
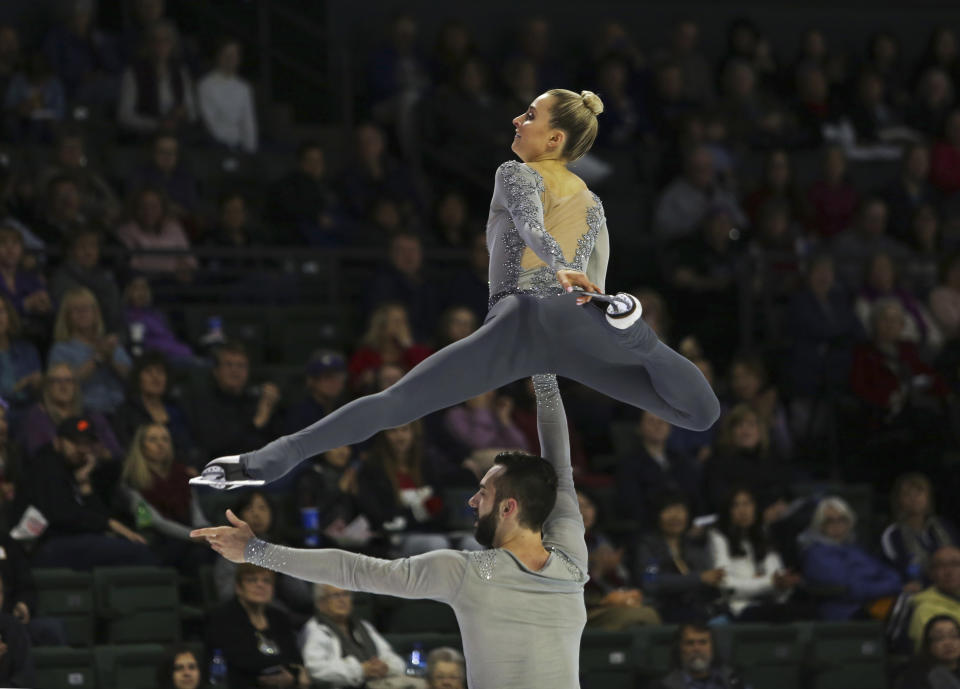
(564, 526)
(436, 575)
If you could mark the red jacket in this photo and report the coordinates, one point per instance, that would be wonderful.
(945, 167)
(873, 378)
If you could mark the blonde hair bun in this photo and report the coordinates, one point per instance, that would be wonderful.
(592, 101)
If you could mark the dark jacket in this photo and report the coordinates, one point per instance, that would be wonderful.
(640, 480)
(53, 490)
(18, 584)
(723, 677)
(763, 474)
(862, 577)
(677, 596)
(222, 423)
(16, 665)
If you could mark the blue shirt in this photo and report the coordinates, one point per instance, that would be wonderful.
(103, 390)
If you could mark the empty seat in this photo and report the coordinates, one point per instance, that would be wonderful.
(605, 658)
(767, 655)
(139, 604)
(131, 666)
(423, 616)
(59, 667)
(848, 655)
(68, 595)
(653, 650)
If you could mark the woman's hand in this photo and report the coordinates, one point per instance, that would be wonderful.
(277, 679)
(32, 380)
(569, 279)
(713, 577)
(229, 541)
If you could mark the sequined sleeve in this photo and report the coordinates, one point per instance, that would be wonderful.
(564, 525)
(520, 187)
(436, 575)
(600, 255)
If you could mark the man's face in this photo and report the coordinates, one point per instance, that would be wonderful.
(328, 385)
(335, 603)
(445, 676)
(696, 652)
(486, 506)
(945, 570)
(256, 588)
(166, 150)
(232, 372)
(406, 255)
(75, 452)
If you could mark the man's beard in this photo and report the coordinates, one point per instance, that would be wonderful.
(698, 664)
(486, 528)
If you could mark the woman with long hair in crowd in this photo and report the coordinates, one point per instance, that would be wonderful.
(549, 248)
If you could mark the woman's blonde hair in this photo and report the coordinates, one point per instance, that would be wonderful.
(75, 295)
(76, 405)
(373, 338)
(136, 468)
(734, 418)
(576, 114)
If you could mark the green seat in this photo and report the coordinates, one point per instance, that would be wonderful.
(132, 666)
(605, 657)
(848, 655)
(767, 655)
(653, 650)
(139, 604)
(423, 616)
(68, 595)
(59, 667)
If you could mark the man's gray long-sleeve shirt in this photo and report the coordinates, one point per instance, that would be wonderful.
(520, 628)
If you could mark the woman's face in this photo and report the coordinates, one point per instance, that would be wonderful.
(944, 642)
(149, 211)
(836, 525)
(256, 588)
(587, 510)
(914, 500)
(400, 439)
(338, 456)
(11, 250)
(744, 382)
(452, 211)
(743, 510)
(746, 434)
(186, 672)
(138, 293)
(396, 322)
(888, 325)
(926, 228)
(882, 275)
(534, 138)
(821, 277)
(61, 385)
(673, 520)
(82, 315)
(778, 170)
(157, 447)
(461, 323)
(153, 380)
(258, 515)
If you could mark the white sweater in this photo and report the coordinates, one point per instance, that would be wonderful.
(226, 106)
(742, 577)
(323, 656)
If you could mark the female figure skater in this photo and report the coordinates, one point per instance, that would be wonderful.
(548, 244)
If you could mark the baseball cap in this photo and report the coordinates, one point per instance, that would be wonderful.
(325, 361)
(77, 429)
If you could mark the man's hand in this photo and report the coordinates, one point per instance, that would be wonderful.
(21, 612)
(229, 541)
(374, 669)
(269, 397)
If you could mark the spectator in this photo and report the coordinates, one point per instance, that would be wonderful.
(652, 469)
(871, 114)
(258, 641)
(82, 268)
(941, 597)
(330, 487)
(397, 72)
(945, 299)
(20, 373)
(398, 480)
(60, 485)
(916, 532)
(149, 329)
(911, 191)
(683, 205)
(922, 270)
(145, 15)
(167, 171)
(157, 494)
(469, 287)
(934, 101)
(374, 174)
(24, 287)
(388, 340)
(624, 118)
(35, 102)
(149, 402)
(341, 650)
(674, 566)
(60, 399)
(778, 184)
(9, 55)
(406, 281)
(919, 327)
(235, 228)
(813, 106)
(743, 458)
(18, 596)
(62, 213)
(83, 56)
(226, 415)
(16, 659)
(226, 101)
(486, 422)
(696, 444)
(853, 583)
(941, 52)
(832, 199)
(696, 664)
(156, 92)
(295, 596)
(453, 223)
(695, 71)
(611, 604)
(180, 669)
(455, 44)
(456, 323)
(98, 199)
(97, 358)
(750, 385)
(669, 108)
(936, 664)
(152, 227)
(945, 157)
(326, 382)
(446, 669)
(868, 236)
(755, 575)
(11, 471)
(303, 204)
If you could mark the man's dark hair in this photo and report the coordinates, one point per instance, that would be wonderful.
(532, 482)
(165, 668)
(231, 347)
(145, 361)
(670, 498)
(698, 626)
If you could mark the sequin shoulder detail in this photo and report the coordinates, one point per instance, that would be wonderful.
(264, 554)
(485, 561)
(589, 239)
(569, 564)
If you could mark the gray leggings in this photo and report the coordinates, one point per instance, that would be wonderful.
(523, 335)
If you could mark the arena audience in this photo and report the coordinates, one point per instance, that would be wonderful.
(696, 662)
(941, 597)
(938, 658)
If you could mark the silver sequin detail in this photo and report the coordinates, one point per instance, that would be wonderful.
(485, 561)
(265, 554)
(575, 571)
(547, 391)
(587, 241)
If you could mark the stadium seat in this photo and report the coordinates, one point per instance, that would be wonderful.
(403, 644)
(64, 668)
(653, 650)
(68, 595)
(423, 616)
(139, 604)
(605, 659)
(848, 655)
(132, 666)
(767, 655)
